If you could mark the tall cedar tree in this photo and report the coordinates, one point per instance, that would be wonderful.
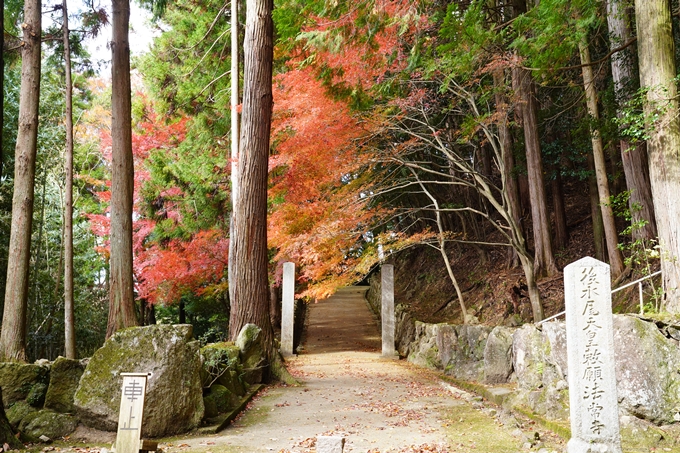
(633, 156)
(69, 315)
(523, 82)
(121, 297)
(656, 52)
(250, 293)
(13, 336)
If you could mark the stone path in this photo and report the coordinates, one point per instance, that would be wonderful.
(378, 405)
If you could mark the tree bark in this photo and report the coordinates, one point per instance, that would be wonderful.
(13, 336)
(510, 179)
(656, 51)
(561, 230)
(250, 300)
(634, 157)
(2, 84)
(121, 295)
(231, 270)
(610, 233)
(544, 259)
(69, 316)
(596, 213)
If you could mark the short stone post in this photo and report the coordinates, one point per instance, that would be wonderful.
(288, 309)
(590, 351)
(387, 310)
(330, 444)
(128, 438)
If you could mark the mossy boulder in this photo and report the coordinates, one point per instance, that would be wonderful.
(50, 424)
(17, 380)
(64, 378)
(647, 367)
(18, 411)
(249, 342)
(36, 396)
(174, 397)
(223, 398)
(222, 365)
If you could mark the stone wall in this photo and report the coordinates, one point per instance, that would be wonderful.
(533, 359)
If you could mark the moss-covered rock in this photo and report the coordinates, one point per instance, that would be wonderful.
(249, 342)
(224, 399)
(36, 396)
(222, 365)
(50, 424)
(647, 367)
(7, 432)
(174, 397)
(210, 406)
(18, 411)
(64, 378)
(17, 380)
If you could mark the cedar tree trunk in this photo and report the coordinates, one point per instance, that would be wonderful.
(250, 288)
(13, 336)
(634, 157)
(544, 259)
(69, 317)
(610, 233)
(121, 295)
(656, 52)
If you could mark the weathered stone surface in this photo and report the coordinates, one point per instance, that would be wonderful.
(590, 351)
(249, 342)
(647, 365)
(50, 424)
(330, 444)
(174, 400)
(288, 309)
(7, 436)
(540, 376)
(222, 365)
(18, 411)
(224, 399)
(405, 330)
(17, 380)
(64, 378)
(36, 396)
(458, 350)
(498, 355)
(387, 310)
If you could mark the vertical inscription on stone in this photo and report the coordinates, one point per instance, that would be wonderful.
(288, 309)
(387, 310)
(590, 350)
(131, 411)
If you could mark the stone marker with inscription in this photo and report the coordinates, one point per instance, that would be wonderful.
(387, 310)
(288, 309)
(128, 439)
(590, 351)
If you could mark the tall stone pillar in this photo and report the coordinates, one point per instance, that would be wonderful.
(288, 309)
(590, 352)
(387, 310)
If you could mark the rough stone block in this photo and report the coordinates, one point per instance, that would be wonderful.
(330, 444)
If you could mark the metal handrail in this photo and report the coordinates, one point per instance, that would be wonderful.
(627, 285)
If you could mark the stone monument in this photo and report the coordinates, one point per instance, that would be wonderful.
(590, 351)
(288, 309)
(387, 310)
